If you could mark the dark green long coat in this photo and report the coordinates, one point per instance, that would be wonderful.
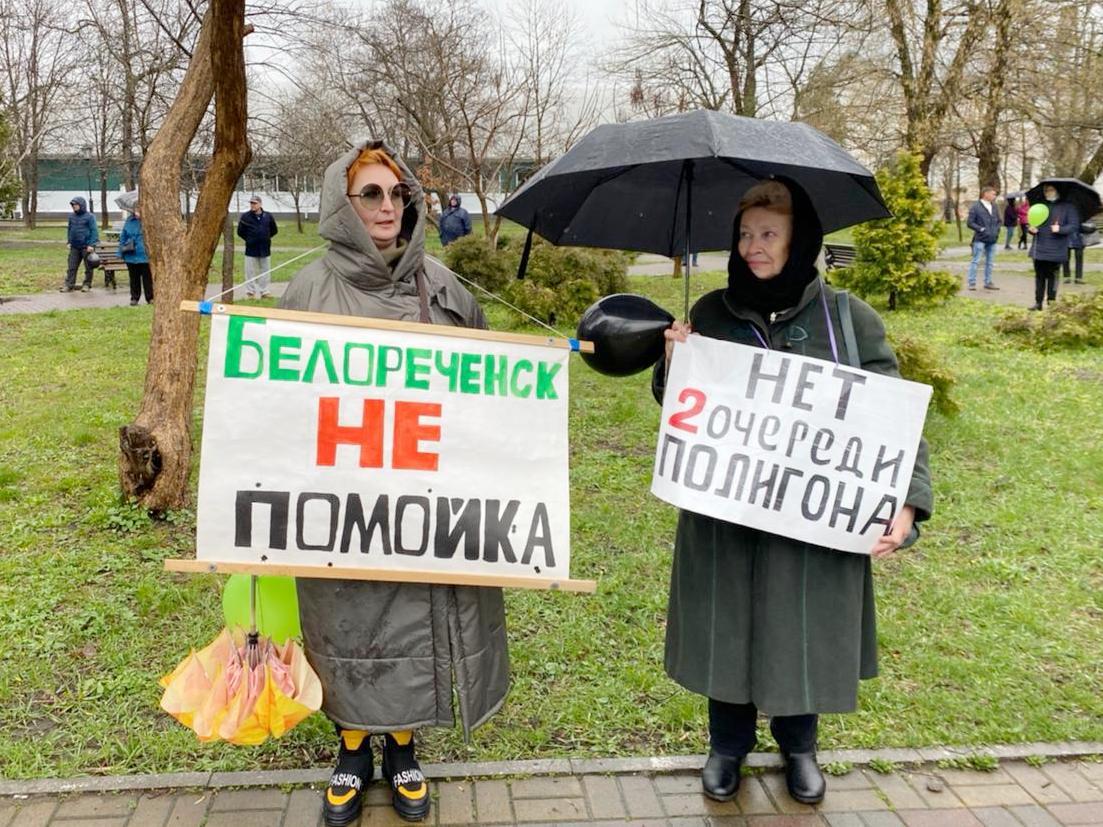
(759, 618)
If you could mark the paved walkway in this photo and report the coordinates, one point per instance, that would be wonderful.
(1063, 789)
(98, 297)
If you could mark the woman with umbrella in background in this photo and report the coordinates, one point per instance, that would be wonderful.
(757, 621)
(132, 250)
(1050, 247)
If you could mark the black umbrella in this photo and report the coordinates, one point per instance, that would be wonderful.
(1082, 196)
(673, 184)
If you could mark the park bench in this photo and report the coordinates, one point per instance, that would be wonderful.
(837, 256)
(110, 261)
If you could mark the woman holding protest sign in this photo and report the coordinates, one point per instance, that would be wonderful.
(757, 620)
(390, 655)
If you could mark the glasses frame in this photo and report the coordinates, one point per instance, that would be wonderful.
(375, 200)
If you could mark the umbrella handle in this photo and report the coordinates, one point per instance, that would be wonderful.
(688, 167)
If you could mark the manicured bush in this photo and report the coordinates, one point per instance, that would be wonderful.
(576, 277)
(1073, 322)
(920, 363)
(474, 259)
(892, 253)
(559, 283)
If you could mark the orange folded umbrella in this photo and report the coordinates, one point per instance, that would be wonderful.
(242, 688)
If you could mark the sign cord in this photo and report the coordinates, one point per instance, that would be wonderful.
(498, 298)
(266, 272)
(494, 296)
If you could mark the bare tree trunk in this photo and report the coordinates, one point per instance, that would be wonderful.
(988, 150)
(30, 190)
(106, 222)
(296, 195)
(155, 450)
(1093, 167)
(228, 260)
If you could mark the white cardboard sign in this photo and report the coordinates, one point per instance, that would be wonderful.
(795, 446)
(347, 447)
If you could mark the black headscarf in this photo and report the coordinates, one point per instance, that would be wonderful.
(785, 289)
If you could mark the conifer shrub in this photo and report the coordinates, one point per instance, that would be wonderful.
(473, 258)
(1072, 323)
(892, 253)
(575, 276)
(920, 363)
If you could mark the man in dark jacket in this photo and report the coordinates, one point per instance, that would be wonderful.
(455, 222)
(985, 223)
(257, 228)
(83, 236)
(1051, 245)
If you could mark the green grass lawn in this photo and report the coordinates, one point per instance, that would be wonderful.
(990, 629)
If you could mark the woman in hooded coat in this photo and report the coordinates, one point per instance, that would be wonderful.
(757, 621)
(391, 655)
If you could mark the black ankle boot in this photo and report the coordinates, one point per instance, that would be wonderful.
(720, 777)
(803, 777)
(342, 802)
(409, 790)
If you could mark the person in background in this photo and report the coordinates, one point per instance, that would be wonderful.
(392, 657)
(455, 222)
(83, 236)
(1023, 210)
(1076, 250)
(1010, 221)
(756, 620)
(132, 250)
(1051, 245)
(257, 228)
(984, 221)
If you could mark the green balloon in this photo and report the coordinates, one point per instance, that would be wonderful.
(277, 605)
(1036, 216)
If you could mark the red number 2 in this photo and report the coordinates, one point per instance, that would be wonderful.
(680, 419)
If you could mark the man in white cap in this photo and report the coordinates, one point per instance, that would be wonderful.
(257, 228)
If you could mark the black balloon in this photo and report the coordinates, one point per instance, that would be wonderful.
(627, 332)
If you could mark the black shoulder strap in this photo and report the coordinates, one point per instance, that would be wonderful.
(846, 320)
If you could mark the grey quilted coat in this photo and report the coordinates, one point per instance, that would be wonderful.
(390, 655)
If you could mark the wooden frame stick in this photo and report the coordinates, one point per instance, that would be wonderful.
(387, 324)
(387, 575)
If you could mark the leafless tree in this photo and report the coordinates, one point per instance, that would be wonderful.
(142, 48)
(155, 450)
(743, 56)
(36, 62)
(303, 139)
(932, 45)
(98, 113)
(562, 104)
(1007, 20)
(1062, 99)
(439, 84)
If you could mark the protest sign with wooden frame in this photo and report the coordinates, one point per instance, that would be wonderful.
(383, 450)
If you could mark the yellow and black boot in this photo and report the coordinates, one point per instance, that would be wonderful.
(343, 799)
(409, 790)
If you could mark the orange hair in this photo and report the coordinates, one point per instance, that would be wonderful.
(371, 156)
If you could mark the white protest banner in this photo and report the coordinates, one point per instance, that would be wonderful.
(397, 450)
(787, 444)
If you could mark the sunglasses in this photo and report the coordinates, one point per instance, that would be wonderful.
(371, 196)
